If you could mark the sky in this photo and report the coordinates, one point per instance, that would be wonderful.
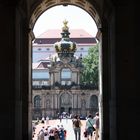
(53, 19)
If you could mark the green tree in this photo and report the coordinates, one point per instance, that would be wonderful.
(90, 71)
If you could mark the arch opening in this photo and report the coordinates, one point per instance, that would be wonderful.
(45, 5)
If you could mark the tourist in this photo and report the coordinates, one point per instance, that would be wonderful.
(61, 133)
(41, 135)
(96, 125)
(77, 127)
(89, 126)
(46, 134)
(42, 120)
(47, 120)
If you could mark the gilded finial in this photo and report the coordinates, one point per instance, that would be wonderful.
(65, 22)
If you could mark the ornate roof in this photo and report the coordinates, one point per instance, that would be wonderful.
(65, 47)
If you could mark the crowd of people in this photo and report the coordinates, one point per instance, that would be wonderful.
(92, 127)
(52, 133)
(91, 131)
(58, 132)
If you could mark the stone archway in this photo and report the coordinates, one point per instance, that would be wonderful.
(46, 4)
(118, 70)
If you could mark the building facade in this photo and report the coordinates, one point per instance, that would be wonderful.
(43, 44)
(56, 83)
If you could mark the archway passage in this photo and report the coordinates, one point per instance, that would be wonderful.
(65, 102)
(64, 106)
(120, 66)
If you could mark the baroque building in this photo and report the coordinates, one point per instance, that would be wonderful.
(60, 89)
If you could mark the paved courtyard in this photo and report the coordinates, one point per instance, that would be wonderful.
(67, 123)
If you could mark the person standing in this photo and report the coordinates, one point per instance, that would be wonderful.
(61, 133)
(96, 125)
(77, 127)
(46, 134)
(89, 126)
(51, 134)
(47, 120)
(41, 135)
(42, 120)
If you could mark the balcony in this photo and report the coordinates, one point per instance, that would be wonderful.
(40, 87)
(73, 85)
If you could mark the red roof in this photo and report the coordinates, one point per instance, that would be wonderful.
(43, 65)
(74, 33)
(54, 40)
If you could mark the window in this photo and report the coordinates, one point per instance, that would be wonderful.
(40, 74)
(39, 49)
(37, 101)
(66, 74)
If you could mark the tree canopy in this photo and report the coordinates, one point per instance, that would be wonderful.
(91, 64)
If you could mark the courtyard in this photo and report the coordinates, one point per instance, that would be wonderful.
(67, 124)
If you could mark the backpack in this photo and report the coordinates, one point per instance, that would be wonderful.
(76, 123)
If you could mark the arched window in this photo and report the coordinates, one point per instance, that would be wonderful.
(93, 101)
(37, 101)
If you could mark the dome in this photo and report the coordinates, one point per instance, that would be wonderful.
(65, 46)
